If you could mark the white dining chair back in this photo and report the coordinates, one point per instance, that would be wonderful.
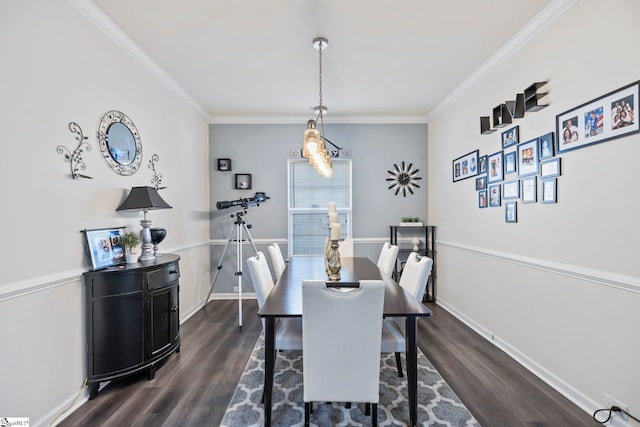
(387, 258)
(346, 247)
(415, 275)
(288, 331)
(342, 329)
(276, 259)
(260, 276)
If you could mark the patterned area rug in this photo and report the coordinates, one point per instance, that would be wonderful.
(438, 405)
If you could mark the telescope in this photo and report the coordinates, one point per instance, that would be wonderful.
(255, 200)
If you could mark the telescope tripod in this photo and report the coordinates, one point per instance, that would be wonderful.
(239, 226)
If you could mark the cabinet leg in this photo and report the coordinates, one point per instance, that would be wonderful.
(93, 390)
(152, 372)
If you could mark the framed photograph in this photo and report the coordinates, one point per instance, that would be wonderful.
(549, 190)
(224, 165)
(466, 166)
(509, 162)
(482, 198)
(481, 183)
(482, 165)
(527, 163)
(510, 137)
(605, 118)
(511, 189)
(494, 195)
(549, 168)
(104, 246)
(243, 181)
(495, 171)
(510, 212)
(545, 146)
(529, 189)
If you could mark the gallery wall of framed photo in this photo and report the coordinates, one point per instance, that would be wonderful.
(526, 169)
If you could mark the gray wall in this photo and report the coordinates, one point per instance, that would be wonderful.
(263, 151)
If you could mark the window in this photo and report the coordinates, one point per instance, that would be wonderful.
(309, 197)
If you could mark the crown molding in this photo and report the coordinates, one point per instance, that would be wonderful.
(546, 16)
(302, 119)
(94, 15)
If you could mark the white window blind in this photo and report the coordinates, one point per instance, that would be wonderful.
(309, 197)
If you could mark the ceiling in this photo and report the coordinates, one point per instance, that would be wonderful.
(253, 60)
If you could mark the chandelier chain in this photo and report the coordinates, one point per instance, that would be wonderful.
(320, 86)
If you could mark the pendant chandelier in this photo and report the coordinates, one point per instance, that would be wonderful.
(314, 147)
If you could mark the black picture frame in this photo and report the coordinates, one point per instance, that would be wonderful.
(482, 199)
(482, 165)
(510, 162)
(481, 183)
(465, 166)
(529, 189)
(224, 165)
(104, 247)
(495, 168)
(494, 195)
(548, 190)
(510, 137)
(527, 153)
(599, 120)
(511, 212)
(243, 181)
(545, 146)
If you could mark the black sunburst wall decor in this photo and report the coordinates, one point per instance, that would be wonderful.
(403, 178)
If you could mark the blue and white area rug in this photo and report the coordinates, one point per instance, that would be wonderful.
(438, 405)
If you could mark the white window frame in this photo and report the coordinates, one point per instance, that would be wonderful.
(345, 213)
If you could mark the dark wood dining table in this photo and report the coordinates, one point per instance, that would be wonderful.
(285, 300)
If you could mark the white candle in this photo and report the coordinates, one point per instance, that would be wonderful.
(333, 217)
(335, 231)
(332, 207)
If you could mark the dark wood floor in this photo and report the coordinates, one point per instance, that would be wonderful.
(193, 387)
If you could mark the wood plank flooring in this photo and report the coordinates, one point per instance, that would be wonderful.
(193, 387)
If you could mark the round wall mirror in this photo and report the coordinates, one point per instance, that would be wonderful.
(120, 142)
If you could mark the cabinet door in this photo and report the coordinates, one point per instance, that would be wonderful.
(118, 333)
(164, 318)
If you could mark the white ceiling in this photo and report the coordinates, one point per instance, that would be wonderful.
(253, 60)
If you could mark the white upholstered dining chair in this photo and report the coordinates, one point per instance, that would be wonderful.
(387, 258)
(341, 343)
(288, 331)
(277, 259)
(414, 280)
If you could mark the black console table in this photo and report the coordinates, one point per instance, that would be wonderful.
(427, 235)
(132, 320)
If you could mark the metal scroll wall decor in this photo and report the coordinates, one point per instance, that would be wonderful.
(157, 177)
(120, 142)
(75, 158)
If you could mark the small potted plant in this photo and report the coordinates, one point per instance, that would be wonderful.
(410, 221)
(130, 241)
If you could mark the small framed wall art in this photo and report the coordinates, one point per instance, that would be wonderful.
(510, 137)
(224, 165)
(243, 181)
(510, 212)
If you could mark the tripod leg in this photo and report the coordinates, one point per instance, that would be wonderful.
(215, 277)
(239, 268)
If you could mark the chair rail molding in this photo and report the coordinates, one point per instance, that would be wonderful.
(605, 278)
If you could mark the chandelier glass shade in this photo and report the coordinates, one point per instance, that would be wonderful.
(314, 147)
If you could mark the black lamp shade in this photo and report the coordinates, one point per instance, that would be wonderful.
(143, 198)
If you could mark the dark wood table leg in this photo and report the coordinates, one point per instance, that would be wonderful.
(269, 362)
(412, 369)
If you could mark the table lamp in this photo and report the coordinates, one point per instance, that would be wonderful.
(144, 199)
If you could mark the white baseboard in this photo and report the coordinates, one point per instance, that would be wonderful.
(579, 399)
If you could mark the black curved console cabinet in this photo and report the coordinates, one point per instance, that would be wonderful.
(133, 318)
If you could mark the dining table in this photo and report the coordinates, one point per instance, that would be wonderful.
(285, 300)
